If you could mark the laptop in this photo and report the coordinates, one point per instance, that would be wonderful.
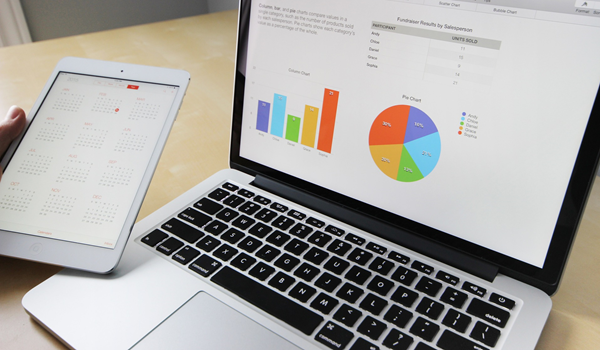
(404, 175)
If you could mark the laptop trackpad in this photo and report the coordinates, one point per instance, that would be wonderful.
(204, 322)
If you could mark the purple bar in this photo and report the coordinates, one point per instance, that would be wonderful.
(262, 116)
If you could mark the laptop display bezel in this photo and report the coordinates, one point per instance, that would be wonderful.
(572, 209)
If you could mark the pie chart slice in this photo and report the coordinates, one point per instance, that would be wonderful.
(404, 143)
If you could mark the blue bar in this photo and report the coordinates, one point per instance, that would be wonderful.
(262, 120)
(278, 120)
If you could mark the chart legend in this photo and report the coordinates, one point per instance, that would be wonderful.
(404, 143)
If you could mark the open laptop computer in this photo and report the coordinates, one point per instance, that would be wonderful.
(405, 175)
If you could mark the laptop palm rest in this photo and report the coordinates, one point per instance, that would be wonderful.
(210, 324)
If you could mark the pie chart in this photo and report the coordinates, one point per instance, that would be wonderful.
(404, 143)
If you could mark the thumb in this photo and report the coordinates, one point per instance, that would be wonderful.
(12, 125)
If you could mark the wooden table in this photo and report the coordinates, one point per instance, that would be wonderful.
(198, 147)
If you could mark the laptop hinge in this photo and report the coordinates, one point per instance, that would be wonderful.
(462, 261)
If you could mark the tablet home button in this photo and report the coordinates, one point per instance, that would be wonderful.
(35, 248)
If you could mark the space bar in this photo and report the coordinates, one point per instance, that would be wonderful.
(269, 301)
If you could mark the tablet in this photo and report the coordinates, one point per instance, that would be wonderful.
(75, 180)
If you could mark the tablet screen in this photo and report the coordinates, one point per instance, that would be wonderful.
(76, 172)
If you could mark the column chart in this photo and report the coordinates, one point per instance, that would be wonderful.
(314, 128)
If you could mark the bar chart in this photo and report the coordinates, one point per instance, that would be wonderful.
(313, 128)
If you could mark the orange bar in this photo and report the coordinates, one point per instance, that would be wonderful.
(328, 113)
(309, 128)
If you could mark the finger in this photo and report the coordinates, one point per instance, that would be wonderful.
(10, 128)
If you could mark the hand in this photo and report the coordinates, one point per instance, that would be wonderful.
(10, 128)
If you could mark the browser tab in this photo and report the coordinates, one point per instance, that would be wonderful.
(507, 11)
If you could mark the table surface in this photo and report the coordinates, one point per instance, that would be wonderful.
(198, 147)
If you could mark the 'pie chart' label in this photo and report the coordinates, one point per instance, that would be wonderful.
(404, 143)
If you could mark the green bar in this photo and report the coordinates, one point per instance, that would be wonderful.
(292, 130)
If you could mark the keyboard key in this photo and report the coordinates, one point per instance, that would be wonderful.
(430, 308)
(185, 255)
(243, 261)
(338, 232)
(216, 227)
(265, 215)
(339, 247)
(502, 301)
(194, 217)
(181, 230)
(316, 255)
(260, 230)
(405, 296)
(361, 344)
(227, 214)
(403, 259)
(336, 265)
(424, 329)
(371, 327)
(358, 275)
(296, 215)
(233, 201)
(334, 336)
(269, 301)
(281, 281)
(398, 316)
(283, 223)
(249, 208)
(154, 237)
(169, 246)
(347, 315)
(245, 193)
(419, 266)
(315, 222)
(474, 289)
(243, 222)
(307, 272)
(488, 312)
(448, 278)
(360, 256)
(319, 238)
(232, 236)
(301, 230)
(205, 265)
(376, 248)
(229, 186)
(350, 293)
(397, 340)
(278, 238)
(296, 246)
(279, 207)
(208, 243)
(423, 346)
(327, 282)
(287, 262)
(456, 320)
(404, 276)
(225, 252)
(352, 238)
(261, 271)
(268, 253)
(262, 200)
(453, 297)
(373, 304)
(208, 206)
(302, 292)
(381, 266)
(324, 303)
(428, 286)
(249, 244)
(452, 341)
(485, 334)
(380, 285)
(218, 194)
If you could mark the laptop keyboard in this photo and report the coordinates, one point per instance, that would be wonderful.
(336, 287)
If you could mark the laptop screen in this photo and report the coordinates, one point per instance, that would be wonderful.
(466, 117)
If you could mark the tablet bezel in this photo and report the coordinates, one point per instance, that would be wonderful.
(78, 255)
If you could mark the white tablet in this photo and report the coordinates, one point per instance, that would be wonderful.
(74, 181)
